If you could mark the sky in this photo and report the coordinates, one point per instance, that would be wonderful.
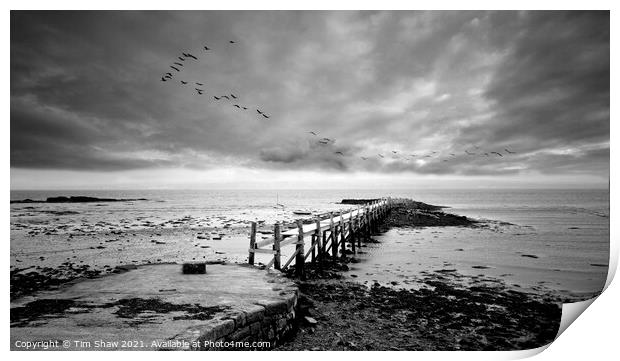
(403, 98)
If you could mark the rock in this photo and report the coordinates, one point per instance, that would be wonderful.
(194, 268)
(358, 201)
(76, 199)
(311, 321)
(127, 267)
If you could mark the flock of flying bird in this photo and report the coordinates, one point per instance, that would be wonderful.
(184, 60)
(398, 154)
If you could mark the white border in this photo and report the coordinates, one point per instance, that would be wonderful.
(594, 334)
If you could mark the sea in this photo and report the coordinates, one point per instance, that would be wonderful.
(554, 240)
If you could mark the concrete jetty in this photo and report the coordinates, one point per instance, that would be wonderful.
(157, 307)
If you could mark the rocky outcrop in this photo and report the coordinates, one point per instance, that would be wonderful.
(77, 199)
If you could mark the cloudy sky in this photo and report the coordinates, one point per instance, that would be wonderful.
(423, 97)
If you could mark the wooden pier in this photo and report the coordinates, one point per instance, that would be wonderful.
(324, 236)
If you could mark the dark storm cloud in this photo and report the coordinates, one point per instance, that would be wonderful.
(553, 85)
(309, 154)
(86, 90)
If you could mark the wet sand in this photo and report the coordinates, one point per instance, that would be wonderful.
(50, 247)
(51, 253)
(401, 256)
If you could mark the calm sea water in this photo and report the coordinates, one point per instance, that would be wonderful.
(567, 230)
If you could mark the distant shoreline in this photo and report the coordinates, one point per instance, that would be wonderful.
(77, 199)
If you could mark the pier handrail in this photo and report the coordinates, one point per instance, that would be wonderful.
(328, 232)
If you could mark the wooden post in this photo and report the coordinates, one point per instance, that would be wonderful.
(317, 221)
(299, 258)
(352, 231)
(343, 245)
(369, 212)
(277, 237)
(252, 242)
(324, 244)
(372, 217)
(366, 223)
(332, 230)
(369, 229)
(358, 222)
(313, 245)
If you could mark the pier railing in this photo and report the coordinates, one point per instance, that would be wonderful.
(328, 235)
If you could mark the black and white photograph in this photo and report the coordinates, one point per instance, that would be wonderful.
(306, 180)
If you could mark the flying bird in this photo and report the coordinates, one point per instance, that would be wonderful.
(201, 84)
(225, 96)
(216, 98)
(199, 91)
(259, 112)
(233, 95)
(230, 41)
(206, 47)
(339, 153)
(509, 151)
(181, 58)
(177, 63)
(190, 56)
(470, 153)
(237, 105)
(174, 68)
(183, 82)
(245, 108)
(380, 155)
(313, 133)
(265, 115)
(163, 78)
(394, 152)
(364, 158)
(500, 154)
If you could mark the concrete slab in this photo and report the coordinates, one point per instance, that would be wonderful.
(142, 308)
